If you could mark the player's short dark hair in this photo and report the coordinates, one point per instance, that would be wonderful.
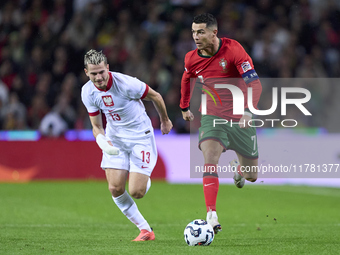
(205, 18)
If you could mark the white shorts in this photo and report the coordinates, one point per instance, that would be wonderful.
(136, 155)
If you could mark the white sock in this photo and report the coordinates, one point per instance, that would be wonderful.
(214, 214)
(148, 185)
(129, 208)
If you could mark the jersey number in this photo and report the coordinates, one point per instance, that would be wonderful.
(145, 156)
(115, 116)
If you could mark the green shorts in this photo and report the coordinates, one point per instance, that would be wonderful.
(231, 137)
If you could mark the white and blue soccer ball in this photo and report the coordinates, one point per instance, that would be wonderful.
(198, 232)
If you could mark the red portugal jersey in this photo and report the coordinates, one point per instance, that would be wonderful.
(230, 65)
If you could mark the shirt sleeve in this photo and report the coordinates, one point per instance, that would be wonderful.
(133, 88)
(145, 92)
(91, 108)
(186, 89)
(257, 90)
(244, 64)
(245, 67)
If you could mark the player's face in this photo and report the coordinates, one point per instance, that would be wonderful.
(202, 36)
(98, 74)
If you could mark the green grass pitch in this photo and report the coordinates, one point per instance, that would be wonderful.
(81, 218)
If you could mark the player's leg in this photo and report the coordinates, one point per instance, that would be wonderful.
(249, 167)
(244, 143)
(212, 151)
(139, 184)
(245, 169)
(142, 161)
(213, 140)
(116, 180)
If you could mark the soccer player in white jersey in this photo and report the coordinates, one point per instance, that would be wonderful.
(128, 141)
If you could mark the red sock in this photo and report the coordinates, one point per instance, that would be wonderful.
(210, 187)
(239, 170)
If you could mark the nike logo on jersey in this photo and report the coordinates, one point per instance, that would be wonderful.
(209, 184)
(144, 167)
(253, 153)
(198, 71)
(111, 110)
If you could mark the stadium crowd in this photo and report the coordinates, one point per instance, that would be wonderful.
(42, 44)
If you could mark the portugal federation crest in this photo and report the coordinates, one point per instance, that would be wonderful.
(223, 64)
(108, 100)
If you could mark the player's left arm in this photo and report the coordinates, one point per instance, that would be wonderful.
(158, 102)
(245, 66)
(256, 94)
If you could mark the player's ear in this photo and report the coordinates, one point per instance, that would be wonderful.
(86, 72)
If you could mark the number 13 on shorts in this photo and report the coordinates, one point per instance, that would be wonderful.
(145, 156)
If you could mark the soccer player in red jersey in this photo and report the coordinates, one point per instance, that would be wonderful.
(221, 61)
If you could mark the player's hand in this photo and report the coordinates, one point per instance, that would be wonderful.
(106, 145)
(244, 121)
(188, 116)
(166, 127)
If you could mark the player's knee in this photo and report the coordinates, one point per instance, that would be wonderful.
(116, 191)
(137, 194)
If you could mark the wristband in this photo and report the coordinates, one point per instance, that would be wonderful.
(248, 114)
(102, 142)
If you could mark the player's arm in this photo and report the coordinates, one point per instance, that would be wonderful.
(185, 96)
(99, 134)
(158, 102)
(252, 80)
(256, 93)
(97, 125)
(257, 90)
(245, 66)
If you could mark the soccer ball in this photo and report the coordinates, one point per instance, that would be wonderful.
(198, 232)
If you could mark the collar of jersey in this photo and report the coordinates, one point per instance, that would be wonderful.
(109, 83)
(204, 56)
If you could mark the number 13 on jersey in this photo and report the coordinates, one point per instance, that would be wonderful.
(115, 116)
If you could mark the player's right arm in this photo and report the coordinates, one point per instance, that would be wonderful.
(96, 122)
(185, 95)
(97, 125)
(99, 134)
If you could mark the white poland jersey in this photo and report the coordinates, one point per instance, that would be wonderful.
(121, 103)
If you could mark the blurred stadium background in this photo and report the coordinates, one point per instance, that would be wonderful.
(42, 44)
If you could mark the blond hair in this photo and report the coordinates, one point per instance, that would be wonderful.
(94, 57)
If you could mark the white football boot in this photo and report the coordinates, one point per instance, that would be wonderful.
(238, 179)
(212, 219)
